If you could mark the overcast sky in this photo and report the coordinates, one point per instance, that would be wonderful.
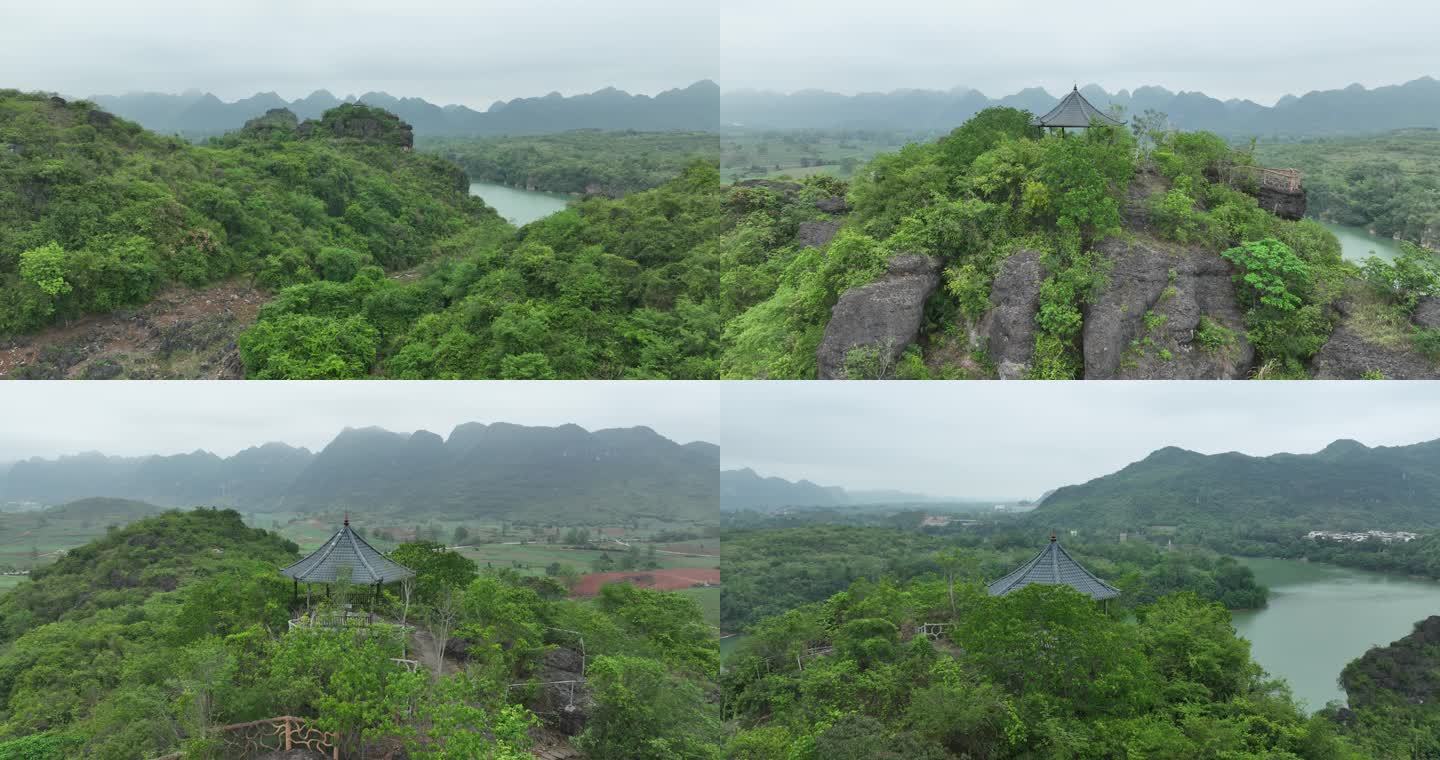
(1225, 48)
(1018, 440)
(446, 51)
(53, 418)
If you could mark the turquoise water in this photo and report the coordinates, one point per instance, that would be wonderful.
(1321, 617)
(1357, 245)
(520, 207)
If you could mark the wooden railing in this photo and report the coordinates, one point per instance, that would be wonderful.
(1283, 180)
(283, 733)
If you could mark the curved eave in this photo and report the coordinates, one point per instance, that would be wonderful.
(347, 549)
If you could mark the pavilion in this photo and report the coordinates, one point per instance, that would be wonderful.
(346, 555)
(1074, 111)
(1054, 566)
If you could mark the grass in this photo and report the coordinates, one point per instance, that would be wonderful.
(8, 582)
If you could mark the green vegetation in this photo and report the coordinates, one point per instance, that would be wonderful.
(147, 640)
(994, 186)
(1389, 184)
(97, 213)
(768, 571)
(584, 161)
(1392, 693)
(605, 289)
(1043, 672)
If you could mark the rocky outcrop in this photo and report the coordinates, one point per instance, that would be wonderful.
(816, 234)
(1164, 313)
(1008, 328)
(883, 316)
(564, 700)
(835, 205)
(1348, 355)
(275, 121)
(1285, 205)
(361, 122)
(1427, 313)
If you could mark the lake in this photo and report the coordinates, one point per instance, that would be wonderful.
(1357, 245)
(1321, 617)
(519, 207)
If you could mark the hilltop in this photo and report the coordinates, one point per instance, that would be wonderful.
(498, 470)
(1001, 252)
(1345, 485)
(196, 114)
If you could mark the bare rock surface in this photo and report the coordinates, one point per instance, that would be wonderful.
(1427, 313)
(816, 234)
(884, 315)
(1348, 355)
(1008, 328)
(1142, 323)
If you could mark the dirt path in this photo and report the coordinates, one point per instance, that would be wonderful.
(184, 333)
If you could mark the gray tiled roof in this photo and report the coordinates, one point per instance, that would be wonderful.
(1073, 111)
(1054, 566)
(346, 549)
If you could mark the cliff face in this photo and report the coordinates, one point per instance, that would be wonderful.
(1285, 205)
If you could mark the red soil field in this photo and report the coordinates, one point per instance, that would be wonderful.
(664, 580)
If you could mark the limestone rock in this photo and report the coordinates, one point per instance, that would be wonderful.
(361, 122)
(1282, 204)
(275, 120)
(1347, 355)
(564, 702)
(1427, 313)
(1008, 328)
(835, 205)
(816, 234)
(1142, 324)
(884, 315)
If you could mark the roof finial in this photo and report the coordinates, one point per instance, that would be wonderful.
(1075, 87)
(1052, 536)
(347, 517)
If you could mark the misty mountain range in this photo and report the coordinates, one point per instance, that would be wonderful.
(1351, 110)
(746, 489)
(495, 470)
(199, 114)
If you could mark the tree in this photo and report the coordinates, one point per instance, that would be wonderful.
(461, 533)
(441, 618)
(46, 268)
(436, 568)
(464, 720)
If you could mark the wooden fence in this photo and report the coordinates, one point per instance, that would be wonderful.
(286, 732)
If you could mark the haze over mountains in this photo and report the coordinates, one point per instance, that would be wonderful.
(1352, 110)
(199, 114)
(747, 489)
(494, 470)
(1345, 485)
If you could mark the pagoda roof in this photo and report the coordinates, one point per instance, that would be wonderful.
(1054, 566)
(347, 549)
(1073, 110)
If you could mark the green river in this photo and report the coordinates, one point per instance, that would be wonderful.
(1357, 245)
(519, 207)
(1321, 617)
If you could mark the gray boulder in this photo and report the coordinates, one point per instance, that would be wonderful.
(1427, 313)
(1008, 328)
(1348, 355)
(564, 700)
(884, 315)
(835, 205)
(816, 234)
(1145, 322)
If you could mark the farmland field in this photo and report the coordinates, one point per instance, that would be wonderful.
(709, 599)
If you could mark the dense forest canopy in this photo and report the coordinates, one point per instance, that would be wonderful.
(96, 213)
(147, 640)
(581, 162)
(770, 570)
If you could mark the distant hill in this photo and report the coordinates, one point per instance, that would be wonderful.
(199, 114)
(1352, 110)
(497, 470)
(1345, 484)
(746, 489)
(105, 511)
